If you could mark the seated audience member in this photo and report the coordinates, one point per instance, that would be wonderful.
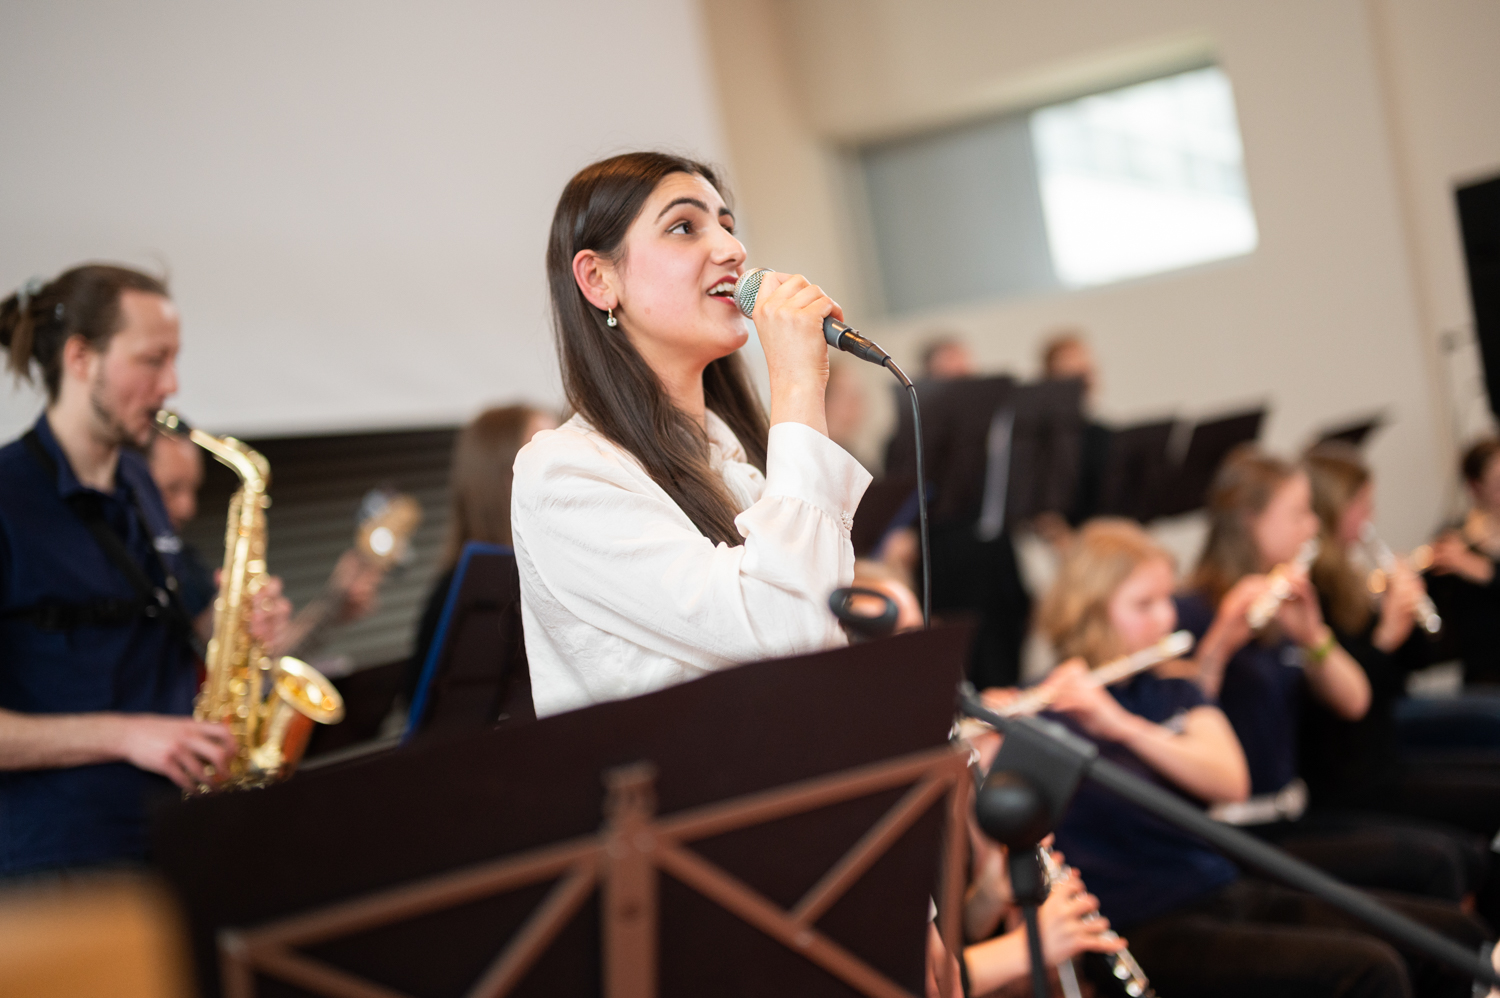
(845, 404)
(995, 952)
(1464, 582)
(1260, 516)
(1066, 354)
(177, 468)
(1357, 763)
(945, 357)
(480, 486)
(669, 529)
(895, 585)
(1196, 924)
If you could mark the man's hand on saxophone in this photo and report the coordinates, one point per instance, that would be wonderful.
(187, 752)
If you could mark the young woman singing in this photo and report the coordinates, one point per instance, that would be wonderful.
(667, 529)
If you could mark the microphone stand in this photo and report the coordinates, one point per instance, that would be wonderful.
(1049, 761)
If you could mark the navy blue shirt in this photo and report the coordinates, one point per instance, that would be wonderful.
(52, 818)
(1264, 686)
(1136, 864)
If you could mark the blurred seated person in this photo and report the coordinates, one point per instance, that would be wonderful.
(1464, 582)
(177, 468)
(1356, 763)
(1066, 355)
(946, 357)
(995, 946)
(845, 405)
(480, 484)
(890, 581)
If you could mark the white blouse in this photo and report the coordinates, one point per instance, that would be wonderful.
(622, 595)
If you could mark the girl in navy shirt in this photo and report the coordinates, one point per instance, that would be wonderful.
(1196, 925)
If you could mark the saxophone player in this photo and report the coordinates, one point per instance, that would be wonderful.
(98, 666)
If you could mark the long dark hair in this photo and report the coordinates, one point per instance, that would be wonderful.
(1337, 473)
(481, 478)
(606, 379)
(37, 320)
(1241, 490)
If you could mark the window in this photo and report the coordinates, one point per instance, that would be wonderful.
(1133, 181)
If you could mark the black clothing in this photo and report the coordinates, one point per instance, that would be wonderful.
(1255, 939)
(195, 581)
(1384, 852)
(982, 579)
(1093, 456)
(1471, 618)
(83, 659)
(1349, 763)
(1358, 764)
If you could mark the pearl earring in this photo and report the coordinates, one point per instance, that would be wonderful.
(611, 321)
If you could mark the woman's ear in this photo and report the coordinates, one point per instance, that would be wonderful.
(596, 277)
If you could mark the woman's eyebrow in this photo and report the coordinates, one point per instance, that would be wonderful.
(692, 201)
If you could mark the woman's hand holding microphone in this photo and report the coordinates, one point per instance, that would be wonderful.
(788, 315)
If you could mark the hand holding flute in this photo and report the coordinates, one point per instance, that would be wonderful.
(1397, 580)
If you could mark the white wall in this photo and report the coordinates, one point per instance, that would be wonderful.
(1323, 320)
(352, 198)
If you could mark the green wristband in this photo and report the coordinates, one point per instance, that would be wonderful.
(1320, 652)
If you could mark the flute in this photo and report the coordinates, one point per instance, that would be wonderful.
(1174, 645)
(1266, 605)
(1122, 964)
(1386, 564)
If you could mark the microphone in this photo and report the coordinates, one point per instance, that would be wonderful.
(838, 334)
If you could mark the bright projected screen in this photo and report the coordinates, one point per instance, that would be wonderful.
(1143, 179)
(351, 199)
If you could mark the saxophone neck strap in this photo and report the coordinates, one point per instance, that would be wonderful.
(151, 600)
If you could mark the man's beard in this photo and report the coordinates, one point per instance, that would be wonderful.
(111, 429)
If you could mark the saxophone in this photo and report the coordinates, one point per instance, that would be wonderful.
(269, 705)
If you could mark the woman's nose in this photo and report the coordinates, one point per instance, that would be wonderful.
(729, 251)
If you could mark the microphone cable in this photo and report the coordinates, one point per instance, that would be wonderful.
(916, 423)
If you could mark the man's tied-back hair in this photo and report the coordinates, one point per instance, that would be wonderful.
(41, 316)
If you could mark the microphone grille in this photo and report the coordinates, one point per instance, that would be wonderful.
(747, 287)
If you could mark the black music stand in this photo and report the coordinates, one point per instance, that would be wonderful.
(1354, 433)
(956, 415)
(1137, 470)
(476, 674)
(1210, 444)
(771, 829)
(1044, 451)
